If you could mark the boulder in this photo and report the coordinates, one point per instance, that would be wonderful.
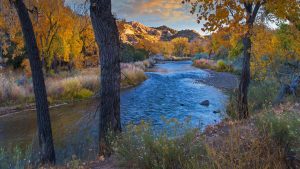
(205, 103)
(217, 112)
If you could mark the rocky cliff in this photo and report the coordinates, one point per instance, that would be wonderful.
(132, 32)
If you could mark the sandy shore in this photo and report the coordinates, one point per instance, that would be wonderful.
(221, 80)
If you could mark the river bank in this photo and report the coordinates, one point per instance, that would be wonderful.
(163, 94)
(221, 80)
(67, 87)
(132, 76)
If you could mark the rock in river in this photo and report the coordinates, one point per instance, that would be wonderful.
(217, 112)
(205, 103)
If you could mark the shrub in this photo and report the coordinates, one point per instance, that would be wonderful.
(231, 109)
(84, 94)
(223, 67)
(204, 64)
(243, 147)
(284, 128)
(142, 147)
(131, 54)
(15, 157)
(15, 88)
(261, 95)
(219, 66)
(132, 74)
(71, 87)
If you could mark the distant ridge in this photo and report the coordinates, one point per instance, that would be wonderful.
(165, 28)
(133, 32)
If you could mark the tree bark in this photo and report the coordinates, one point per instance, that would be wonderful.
(107, 37)
(1, 51)
(245, 77)
(245, 80)
(47, 155)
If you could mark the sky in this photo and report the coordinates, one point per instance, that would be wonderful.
(154, 13)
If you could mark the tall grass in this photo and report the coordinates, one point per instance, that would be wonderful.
(15, 158)
(77, 87)
(240, 146)
(132, 74)
(219, 66)
(283, 125)
(261, 96)
(243, 147)
(16, 88)
(144, 148)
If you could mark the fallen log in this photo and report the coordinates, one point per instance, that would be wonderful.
(288, 89)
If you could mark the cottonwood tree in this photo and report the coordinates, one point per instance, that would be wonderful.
(47, 154)
(107, 37)
(181, 47)
(241, 15)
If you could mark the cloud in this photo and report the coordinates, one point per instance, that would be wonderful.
(165, 10)
(153, 12)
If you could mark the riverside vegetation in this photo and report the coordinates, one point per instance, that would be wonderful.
(263, 134)
(16, 88)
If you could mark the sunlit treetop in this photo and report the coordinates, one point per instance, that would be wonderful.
(218, 14)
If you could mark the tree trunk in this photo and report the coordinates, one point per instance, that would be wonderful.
(107, 37)
(47, 154)
(245, 79)
(1, 51)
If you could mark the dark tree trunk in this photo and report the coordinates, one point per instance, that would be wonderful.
(107, 37)
(245, 77)
(55, 64)
(245, 80)
(47, 154)
(1, 51)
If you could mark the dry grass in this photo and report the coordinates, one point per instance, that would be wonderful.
(16, 88)
(219, 66)
(132, 74)
(229, 145)
(11, 88)
(241, 145)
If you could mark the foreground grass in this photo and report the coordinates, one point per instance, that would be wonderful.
(240, 145)
(268, 140)
(17, 89)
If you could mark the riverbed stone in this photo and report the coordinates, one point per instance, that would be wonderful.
(217, 112)
(205, 103)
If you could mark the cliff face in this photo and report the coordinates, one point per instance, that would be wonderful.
(132, 32)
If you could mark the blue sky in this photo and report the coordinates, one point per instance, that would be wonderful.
(154, 13)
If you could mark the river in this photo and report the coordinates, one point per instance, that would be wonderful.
(169, 92)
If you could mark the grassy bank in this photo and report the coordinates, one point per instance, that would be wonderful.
(16, 88)
(219, 66)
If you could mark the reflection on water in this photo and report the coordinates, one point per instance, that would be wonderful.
(169, 92)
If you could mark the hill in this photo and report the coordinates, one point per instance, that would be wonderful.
(132, 32)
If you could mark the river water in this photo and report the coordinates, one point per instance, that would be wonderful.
(169, 92)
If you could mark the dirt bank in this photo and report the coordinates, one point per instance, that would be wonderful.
(221, 80)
